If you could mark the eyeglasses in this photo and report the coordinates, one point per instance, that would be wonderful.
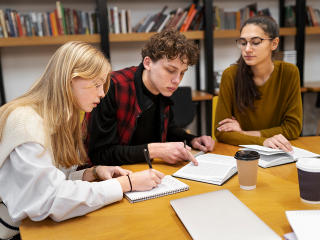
(254, 42)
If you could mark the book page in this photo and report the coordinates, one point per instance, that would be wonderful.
(301, 153)
(168, 184)
(210, 167)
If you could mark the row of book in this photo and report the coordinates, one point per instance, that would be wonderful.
(312, 16)
(62, 21)
(235, 19)
(189, 18)
(286, 56)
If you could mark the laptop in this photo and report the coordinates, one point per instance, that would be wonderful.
(220, 215)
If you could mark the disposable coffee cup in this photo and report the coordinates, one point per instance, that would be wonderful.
(247, 164)
(309, 179)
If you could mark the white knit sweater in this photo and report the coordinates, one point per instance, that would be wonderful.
(60, 199)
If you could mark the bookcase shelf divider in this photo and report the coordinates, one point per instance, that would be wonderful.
(2, 95)
(104, 27)
(300, 36)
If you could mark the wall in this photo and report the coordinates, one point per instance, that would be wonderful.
(23, 65)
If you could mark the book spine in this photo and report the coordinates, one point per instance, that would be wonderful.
(109, 19)
(181, 20)
(123, 21)
(158, 23)
(3, 24)
(14, 21)
(116, 20)
(75, 22)
(60, 20)
(40, 31)
(53, 24)
(9, 18)
(129, 25)
(57, 22)
(183, 27)
(190, 19)
(63, 20)
(49, 23)
(19, 24)
(164, 23)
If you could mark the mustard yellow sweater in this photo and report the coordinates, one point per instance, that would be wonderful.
(278, 112)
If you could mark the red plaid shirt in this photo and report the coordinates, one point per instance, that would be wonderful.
(127, 105)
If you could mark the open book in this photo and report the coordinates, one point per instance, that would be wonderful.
(169, 185)
(273, 157)
(212, 168)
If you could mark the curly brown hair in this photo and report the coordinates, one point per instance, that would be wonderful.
(171, 44)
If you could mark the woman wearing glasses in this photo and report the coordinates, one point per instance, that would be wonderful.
(259, 99)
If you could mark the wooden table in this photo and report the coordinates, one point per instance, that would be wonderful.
(277, 191)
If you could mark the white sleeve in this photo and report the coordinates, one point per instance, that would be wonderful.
(32, 187)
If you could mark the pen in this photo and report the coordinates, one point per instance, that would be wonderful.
(147, 156)
(185, 145)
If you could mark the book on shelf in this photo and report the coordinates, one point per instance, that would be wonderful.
(60, 21)
(212, 168)
(270, 157)
(169, 185)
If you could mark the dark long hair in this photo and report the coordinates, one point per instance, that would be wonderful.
(245, 88)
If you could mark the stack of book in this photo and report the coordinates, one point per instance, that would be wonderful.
(62, 21)
(187, 19)
(234, 20)
(286, 56)
(312, 16)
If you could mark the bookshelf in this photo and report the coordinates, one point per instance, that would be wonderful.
(207, 35)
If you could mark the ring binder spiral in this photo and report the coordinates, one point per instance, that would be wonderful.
(169, 185)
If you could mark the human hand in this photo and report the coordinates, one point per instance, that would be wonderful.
(278, 141)
(203, 143)
(141, 181)
(229, 125)
(171, 152)
(108, 172)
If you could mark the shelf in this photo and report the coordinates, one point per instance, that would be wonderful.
(132, 37)
(201, 96)
(36, 41)
(288, 31)
(312, 30)
(136, 37)
(312, 86)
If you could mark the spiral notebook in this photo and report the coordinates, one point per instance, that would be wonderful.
(169, 185)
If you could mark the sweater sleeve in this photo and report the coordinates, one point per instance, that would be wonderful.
(292, 116)
(32, 187)
(225, 109)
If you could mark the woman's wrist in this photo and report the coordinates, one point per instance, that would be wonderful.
(125, 184)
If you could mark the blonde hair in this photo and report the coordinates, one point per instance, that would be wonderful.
(51, 96)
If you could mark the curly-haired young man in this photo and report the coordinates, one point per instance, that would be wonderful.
(136, 113)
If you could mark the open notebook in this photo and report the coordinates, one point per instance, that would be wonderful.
(212, 168)
(273, 157)
(305, 223)
(169, 185)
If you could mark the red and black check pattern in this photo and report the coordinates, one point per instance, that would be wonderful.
(127, 105)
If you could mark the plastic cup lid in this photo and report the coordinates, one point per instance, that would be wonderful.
(247, 155)
(309, 164)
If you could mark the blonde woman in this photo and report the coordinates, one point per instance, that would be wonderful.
(41, 145)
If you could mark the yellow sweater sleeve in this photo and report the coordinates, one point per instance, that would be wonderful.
(291, 119)
(225, 109)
